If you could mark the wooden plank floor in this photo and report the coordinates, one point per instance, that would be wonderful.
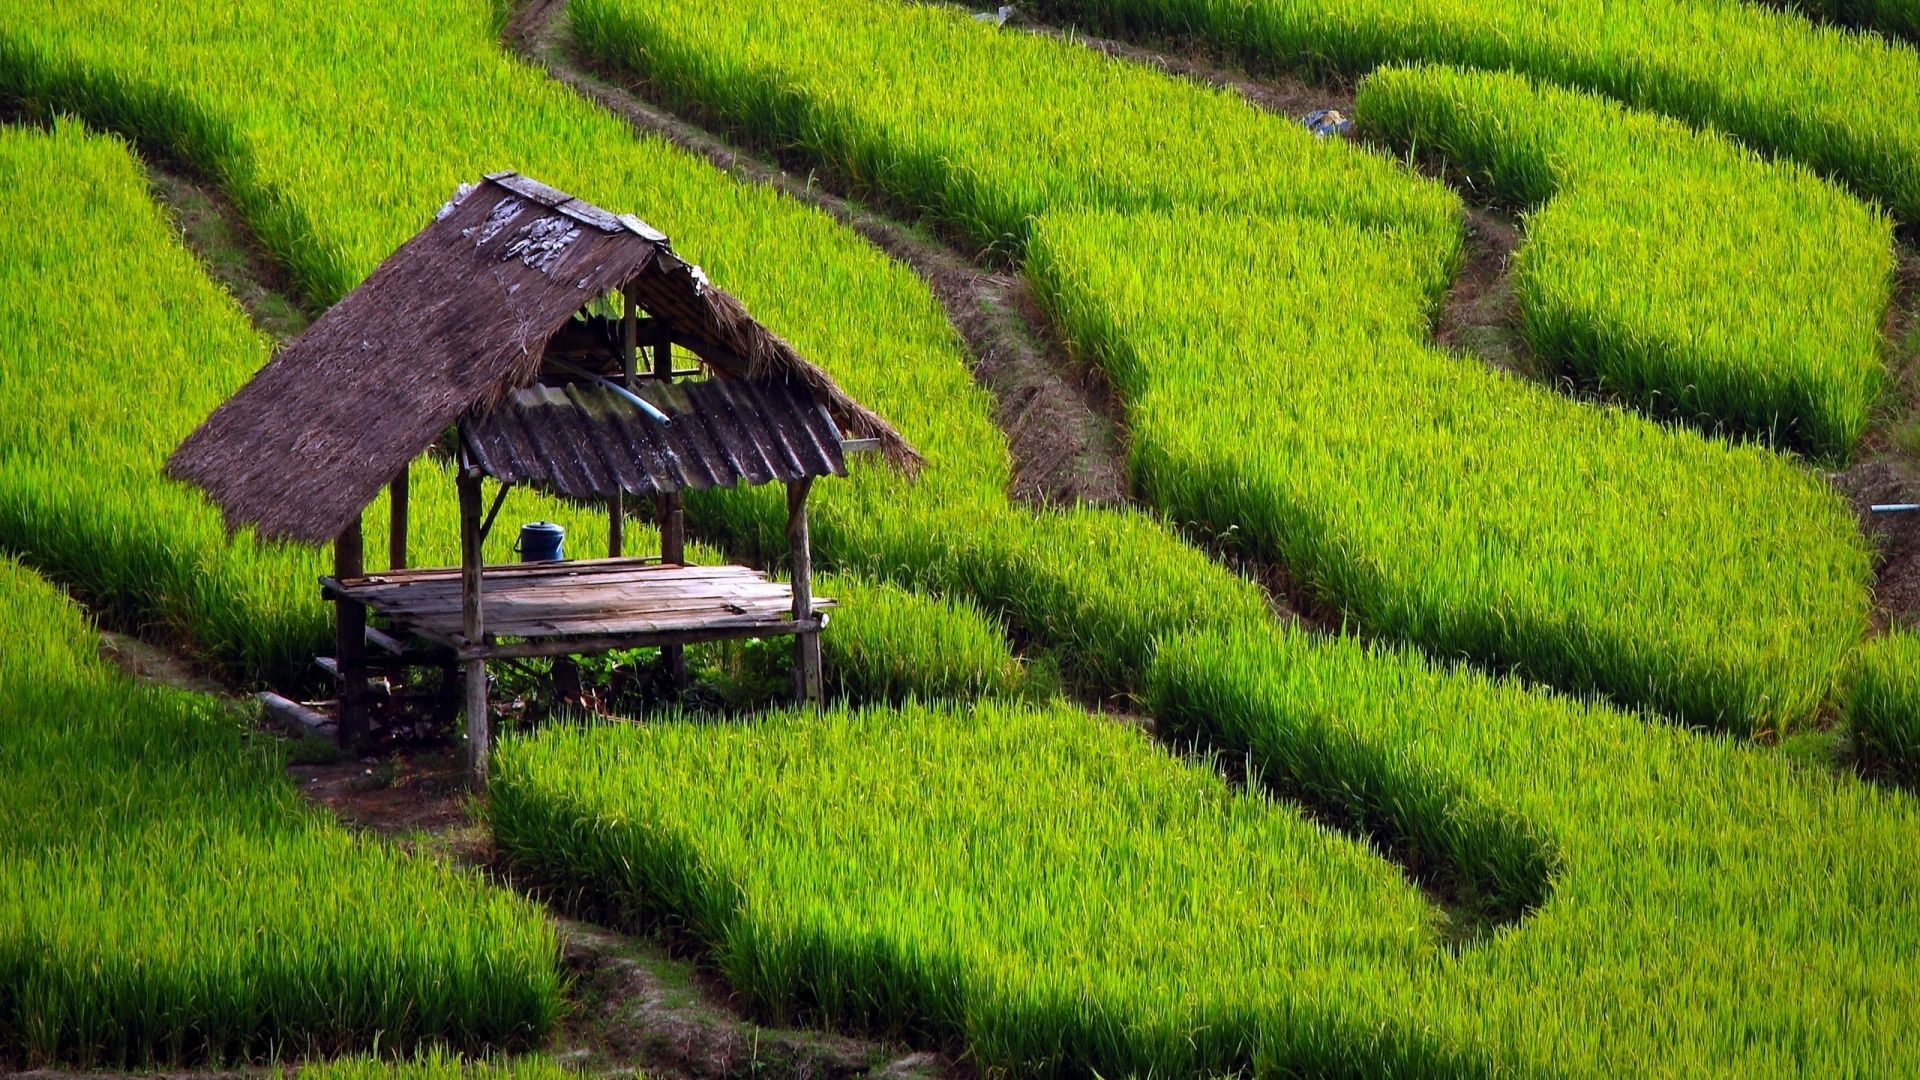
(596, 597)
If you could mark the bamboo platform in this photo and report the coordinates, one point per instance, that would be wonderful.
(581, 607)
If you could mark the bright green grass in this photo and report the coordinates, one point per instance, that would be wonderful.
(1442, 502)
(436, 1064)
(1049, 887)
(1715, 908)
(168, 897)
(1066, 900)
(1846, 104)
(1677, 271)
(1883, 703)
(81, 497)
(1898, 19)
(1894, 18)
(102, 396)
(332, 189)
(1099, 586)
(1280, 390)
(980, 131)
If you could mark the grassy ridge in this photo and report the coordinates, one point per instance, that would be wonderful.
(1846, 104)
(1064, 899)
(1883, 702)
(1444, 503)
(981, 131)
(80, 489)
(168, 897)
(436, 1065)
(1101, 585)
(1280, 388)
(1047, 887)
(1674, 269)
(1894, 18)
(1715, 909)
(331, 190)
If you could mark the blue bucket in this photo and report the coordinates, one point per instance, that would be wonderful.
(542, 541)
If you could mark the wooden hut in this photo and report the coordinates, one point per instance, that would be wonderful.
(485, 324)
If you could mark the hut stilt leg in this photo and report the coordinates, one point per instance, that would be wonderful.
(350, 641)
(473, 629)
(673, 549)
(806, 644)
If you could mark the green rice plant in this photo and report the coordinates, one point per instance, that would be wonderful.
(1435, 501)
(169, 898)
(256, 97)
(888, 643)
(1883, 702)
(1441, 502)
(1845, 104)
(1059, 898)
(330, 191)
(436, 1064)
(980, 131)
(1894, 18)
(1715, 908)
(101, 399)
(80, 493)
(1673, 269)
(1046, 888)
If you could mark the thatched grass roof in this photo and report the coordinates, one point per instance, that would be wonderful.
(449, 323)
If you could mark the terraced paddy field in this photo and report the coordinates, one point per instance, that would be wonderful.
(1402, 709)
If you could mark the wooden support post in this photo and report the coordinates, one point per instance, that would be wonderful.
(397, 522)
(806, 644)
(629, 342)
(473, 629)
(350, 639)
(670, 513)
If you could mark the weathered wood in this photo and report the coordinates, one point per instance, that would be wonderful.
(385, 643)
(669, 512)
(397, 495)
(629, 342)
(350, 639)
(806, 646)
(294, 717)
(473, 628)
(599, 643)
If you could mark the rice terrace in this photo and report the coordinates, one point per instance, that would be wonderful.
(546, 539)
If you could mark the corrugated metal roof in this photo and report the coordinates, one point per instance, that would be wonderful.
(586, 442)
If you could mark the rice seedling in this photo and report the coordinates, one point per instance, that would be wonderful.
(1048, 888)
(1883, 702)
(890, 643)
(81, 495)
(1441, 502)
(168, 897)
(330, 191)
(1894, 18)
(1845, 104)
(979, 131)
(1061, 898)
(1713, 906)
(1672, 269)
(1435, 501)
(436, 1064)
(822, 857)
